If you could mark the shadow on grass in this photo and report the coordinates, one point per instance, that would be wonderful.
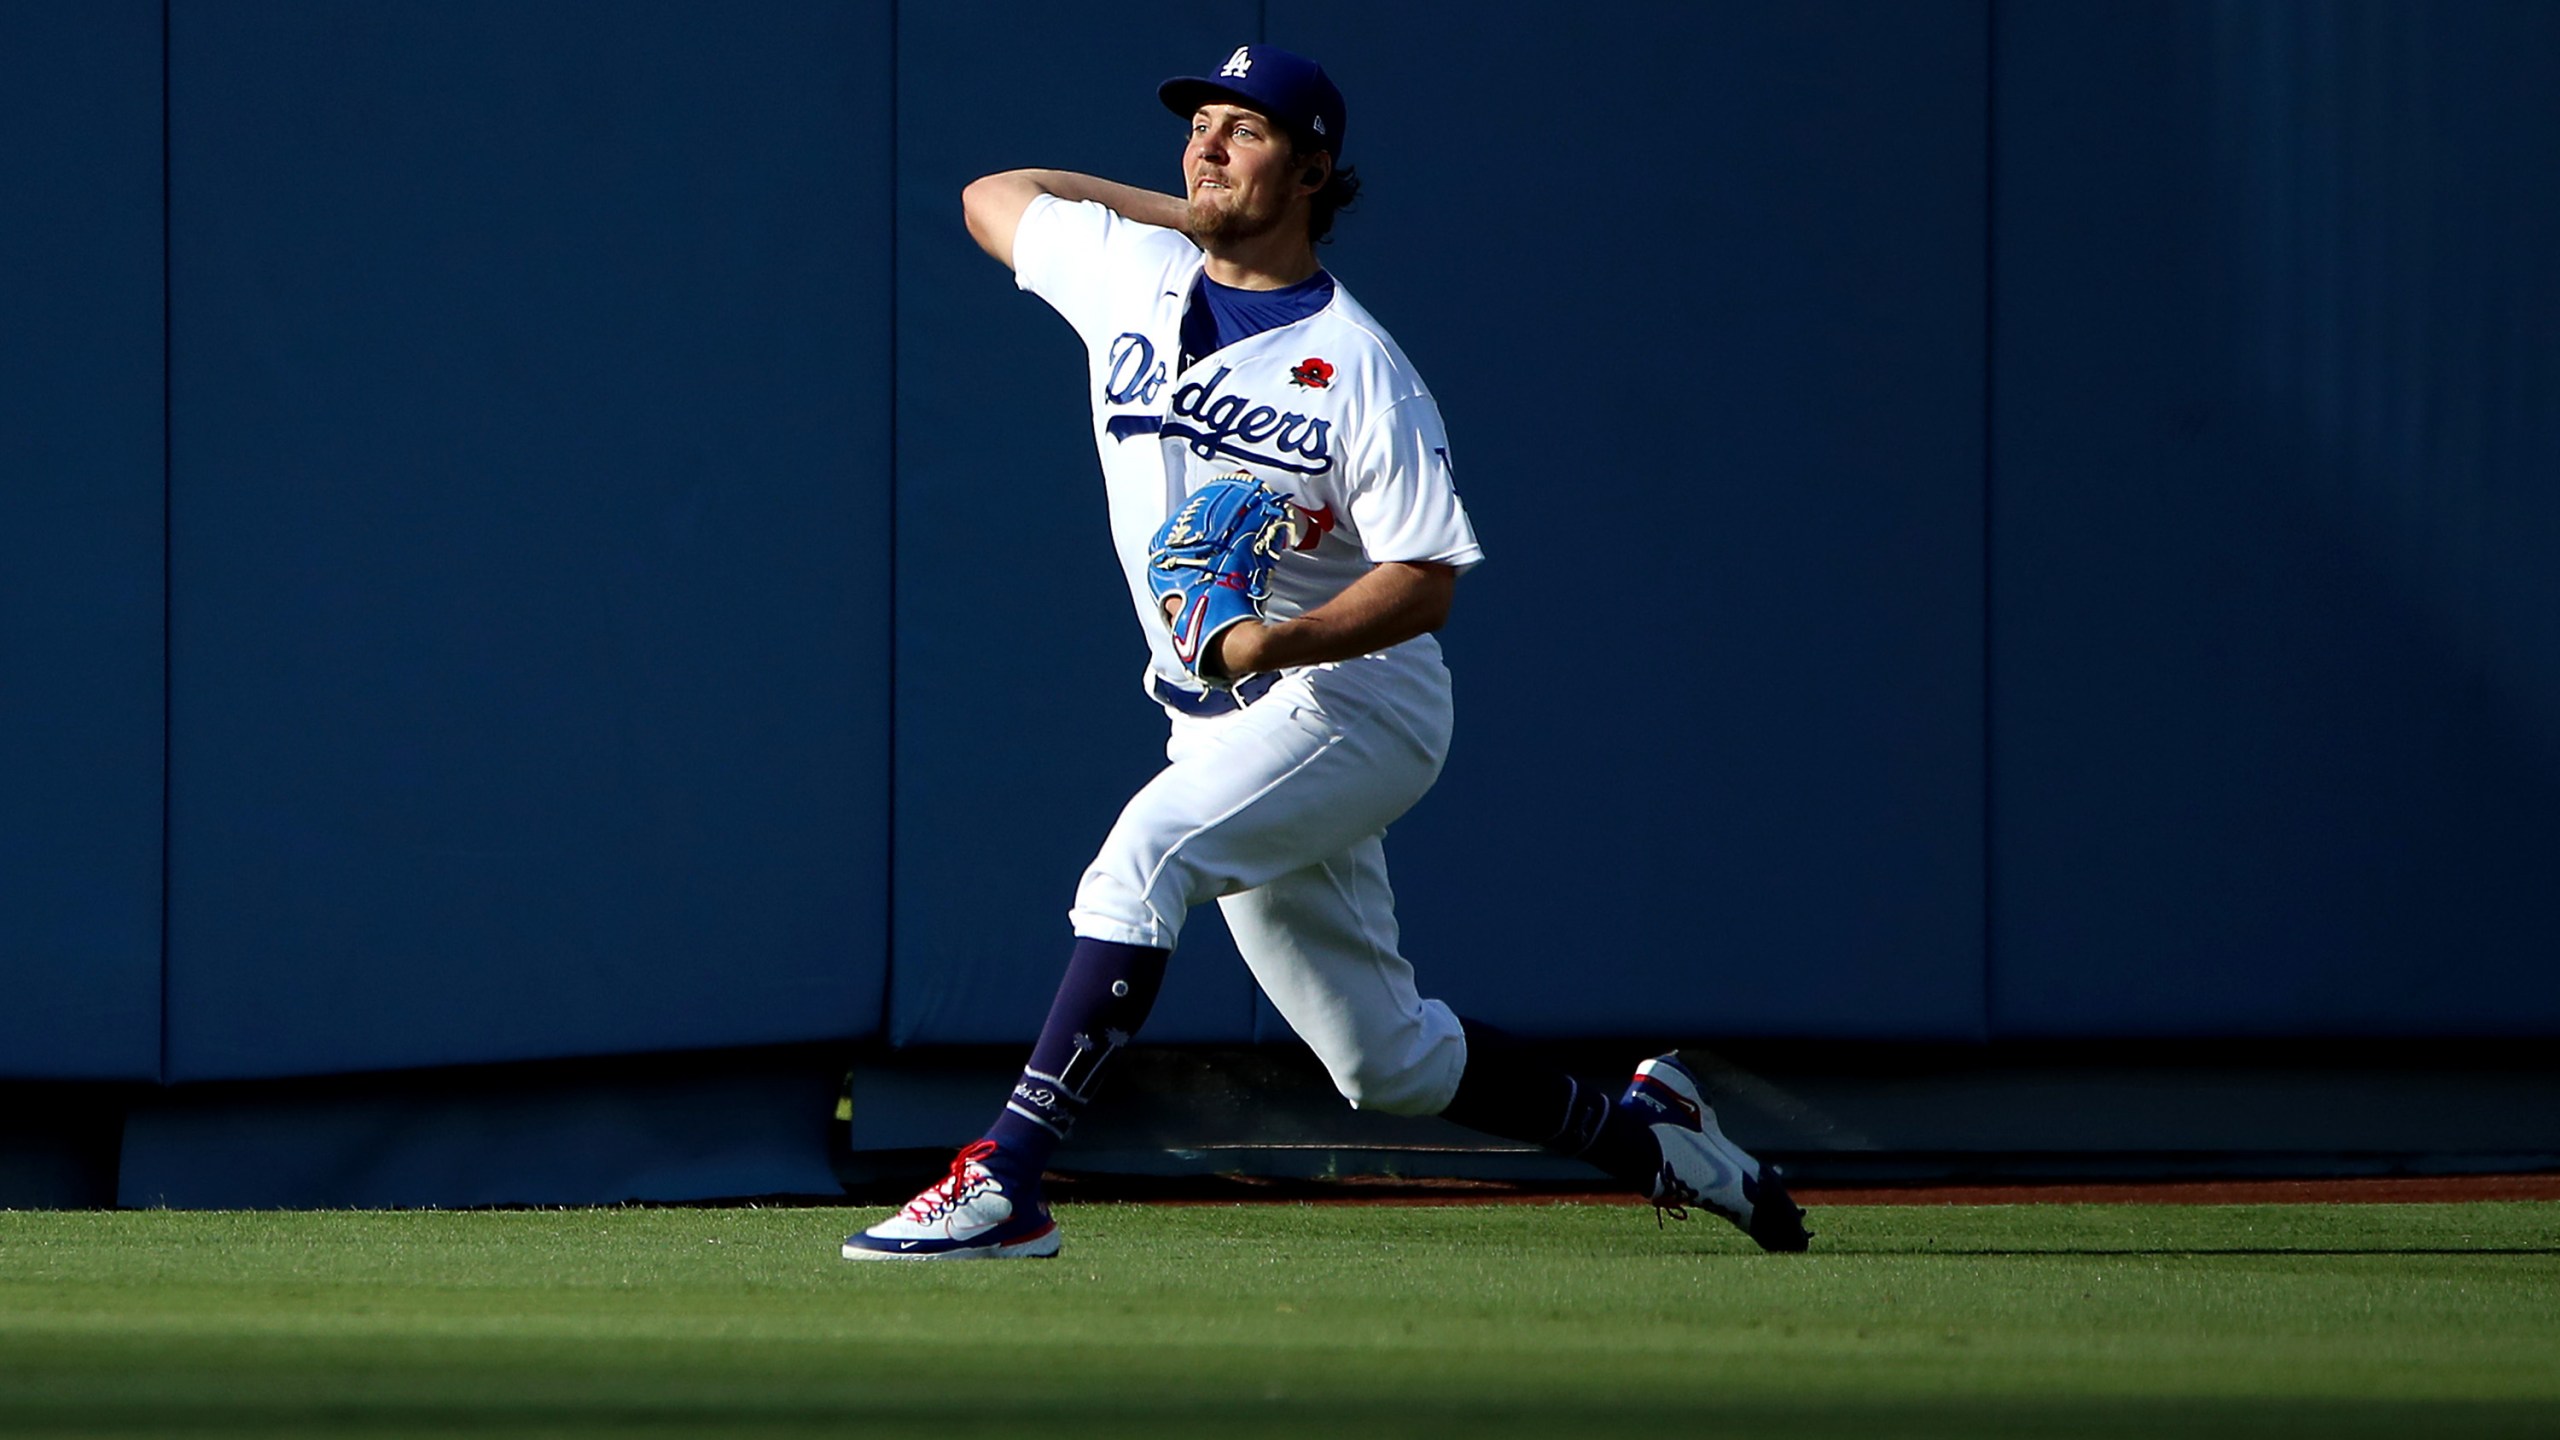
(1813, 1418)
(2201, 1251)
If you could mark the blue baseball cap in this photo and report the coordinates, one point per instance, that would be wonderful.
(1291, 89)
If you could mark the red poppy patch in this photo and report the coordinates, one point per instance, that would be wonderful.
(1312, 373)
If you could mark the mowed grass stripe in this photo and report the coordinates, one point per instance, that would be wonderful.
(2099, 1320)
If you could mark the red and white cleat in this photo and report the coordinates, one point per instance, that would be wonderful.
(1701, 1167)
(965, 1215)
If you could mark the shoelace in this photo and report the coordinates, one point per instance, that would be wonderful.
(951, 1190)
(1672, 1197)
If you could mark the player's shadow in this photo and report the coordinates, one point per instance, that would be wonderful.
(2168, 1251)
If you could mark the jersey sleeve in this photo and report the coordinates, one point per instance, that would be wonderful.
(1404, 494)
(1078, 255)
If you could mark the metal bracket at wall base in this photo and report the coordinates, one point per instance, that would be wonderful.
(1833, 1113)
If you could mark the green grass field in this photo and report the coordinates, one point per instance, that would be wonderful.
(2406, 1321)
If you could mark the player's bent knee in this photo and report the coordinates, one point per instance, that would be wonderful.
(1409, 1067)
(1424, 1087)
(1415, 1092)
(1109, 908)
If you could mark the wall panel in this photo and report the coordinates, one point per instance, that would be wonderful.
(2276, 627)
(81, 538)
(530, 656)
(1021, 727)
(1699, 289)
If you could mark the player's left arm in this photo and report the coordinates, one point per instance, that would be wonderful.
(1404, 503)
(1393, 603)
(992, 205)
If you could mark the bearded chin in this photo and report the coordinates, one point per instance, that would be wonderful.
(1207, 224)
(1204, 223)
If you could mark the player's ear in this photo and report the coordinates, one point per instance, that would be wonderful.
(1319, 170)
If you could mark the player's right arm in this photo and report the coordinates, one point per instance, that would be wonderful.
(993, 204)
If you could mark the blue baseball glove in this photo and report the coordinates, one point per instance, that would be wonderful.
(1211, 563)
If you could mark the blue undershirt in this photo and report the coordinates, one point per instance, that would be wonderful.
(1220, 315)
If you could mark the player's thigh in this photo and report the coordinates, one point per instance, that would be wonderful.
(1272, 790)
(1323, 944)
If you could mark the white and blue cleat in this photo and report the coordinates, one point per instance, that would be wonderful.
(1701, 1167)
(965, 1215)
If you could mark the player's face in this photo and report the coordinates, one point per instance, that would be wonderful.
(1238, 174)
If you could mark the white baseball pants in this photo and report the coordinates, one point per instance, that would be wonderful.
(1279, 812)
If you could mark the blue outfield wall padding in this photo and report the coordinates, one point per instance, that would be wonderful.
(530, 662)
(1021, 728)
(1699, 290)
(566, 468)
(81, 540)
(2276, 625)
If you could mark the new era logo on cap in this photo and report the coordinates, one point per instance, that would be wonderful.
(1291, 89)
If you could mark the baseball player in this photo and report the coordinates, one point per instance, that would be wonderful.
(1283, 505)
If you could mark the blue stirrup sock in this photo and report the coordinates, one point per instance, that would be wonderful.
(1511, 1090)
(1105, 997)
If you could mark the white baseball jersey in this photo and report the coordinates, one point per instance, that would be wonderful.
(1326, 410)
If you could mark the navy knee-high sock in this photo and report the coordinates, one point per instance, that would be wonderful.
(1509, 1089)
(1105, 997)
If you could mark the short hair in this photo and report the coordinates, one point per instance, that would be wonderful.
(1341, 189)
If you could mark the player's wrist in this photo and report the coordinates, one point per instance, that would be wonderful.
(1240, 650)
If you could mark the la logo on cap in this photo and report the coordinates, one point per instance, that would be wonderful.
(1239, 63)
